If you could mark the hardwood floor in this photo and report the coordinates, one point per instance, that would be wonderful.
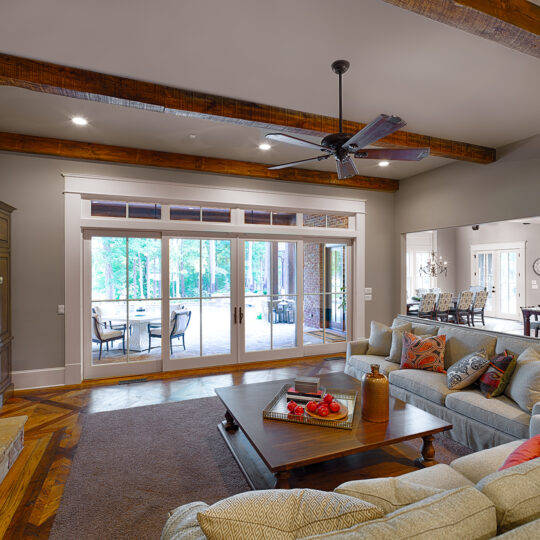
(31, 492)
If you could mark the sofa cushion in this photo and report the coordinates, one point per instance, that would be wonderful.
(439, 476)
(524, 385)
(500, 413)
(423, 353)
(380, 337)
(460, 342)
(182, 523)
(283, 514)
(480, 464)
(524, 452)
(467, 370)
(459, 513)
(515, 493)
(362, 363)
(427, 384)
(497, 376)
(389, 494)
(524, 532)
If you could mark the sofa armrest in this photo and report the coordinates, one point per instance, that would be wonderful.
(182, 523)
(357, 347)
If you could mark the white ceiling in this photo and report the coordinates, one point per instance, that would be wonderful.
(442, 81)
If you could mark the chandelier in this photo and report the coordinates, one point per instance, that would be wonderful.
(435, 265)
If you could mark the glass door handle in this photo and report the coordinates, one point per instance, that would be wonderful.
(241, 315)
(234, 315)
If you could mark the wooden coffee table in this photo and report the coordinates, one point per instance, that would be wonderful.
(284, 447)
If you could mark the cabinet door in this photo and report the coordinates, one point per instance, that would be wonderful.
(4, 230)
(5, 368)
(4, 296)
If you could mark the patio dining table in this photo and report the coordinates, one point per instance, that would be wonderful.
(138, 324)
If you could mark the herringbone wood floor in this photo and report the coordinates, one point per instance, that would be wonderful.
(30, 494)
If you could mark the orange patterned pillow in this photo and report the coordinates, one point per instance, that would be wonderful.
(423, 353)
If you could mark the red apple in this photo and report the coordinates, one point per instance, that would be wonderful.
(334, 407)
(328, 398)
(312, 406)
(298, 410)
(291, 406)
(323, 411)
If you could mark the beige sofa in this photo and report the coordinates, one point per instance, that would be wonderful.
(467, 499)
(478, 422)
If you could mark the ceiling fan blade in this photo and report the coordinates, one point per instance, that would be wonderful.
(400, 154)
(346, 168)
(281, 137)
(382, 126)
(293, 163)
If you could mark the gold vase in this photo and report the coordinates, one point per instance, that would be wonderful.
(375, 392)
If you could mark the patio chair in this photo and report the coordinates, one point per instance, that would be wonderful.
(426, 308)
(101, 334)
(478, 306)
(443, 307)
(463, 307)
(178, 324)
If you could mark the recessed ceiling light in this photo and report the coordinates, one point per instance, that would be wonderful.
(264, 146)
(192, 136)
(79, 121)
(384, 163)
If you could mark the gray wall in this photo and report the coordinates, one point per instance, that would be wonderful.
(34, 186)
(466, 193)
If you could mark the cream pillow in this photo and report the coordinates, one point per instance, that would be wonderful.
(524, 385)
(389, 494)
(380, 337)
(283, 514)
(515, 492)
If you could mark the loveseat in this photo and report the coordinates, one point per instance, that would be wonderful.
(478, 422)
(468, 499)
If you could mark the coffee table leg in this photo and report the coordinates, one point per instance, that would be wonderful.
(428, 453)
(283, 480)
(231, 425)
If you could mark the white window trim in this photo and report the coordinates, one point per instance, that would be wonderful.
(79, 189)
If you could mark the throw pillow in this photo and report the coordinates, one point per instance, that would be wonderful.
(284, 514)
(397, 344)
(524, 386)
(524, 452)
(423, 353)
(380, 337)
(389, 494)
(496, 377)
(467, 370)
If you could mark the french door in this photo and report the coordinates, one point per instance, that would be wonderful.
(168, 302)
(501, 271)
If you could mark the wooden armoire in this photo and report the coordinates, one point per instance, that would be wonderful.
(6, 385)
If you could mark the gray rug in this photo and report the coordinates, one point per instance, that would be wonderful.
(132, 466)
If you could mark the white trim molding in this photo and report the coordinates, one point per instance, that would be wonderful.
(38, 378)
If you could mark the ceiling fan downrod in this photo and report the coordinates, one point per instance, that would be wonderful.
(340, 67)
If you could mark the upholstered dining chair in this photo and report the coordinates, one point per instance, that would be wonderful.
(427, 306)
(444, 304)
(178, 324)
(101, 334)
(535, 325)
(478, 306)
(463, 307)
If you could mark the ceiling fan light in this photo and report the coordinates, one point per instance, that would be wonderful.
(346, 168)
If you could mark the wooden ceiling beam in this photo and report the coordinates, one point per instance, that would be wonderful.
(29, 144)
(88, 85)
(513, 23)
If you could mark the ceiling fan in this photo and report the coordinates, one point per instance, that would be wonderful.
(342, 145)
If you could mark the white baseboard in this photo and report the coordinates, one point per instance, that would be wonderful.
(38, 378)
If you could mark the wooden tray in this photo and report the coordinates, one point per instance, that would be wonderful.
(342, 413)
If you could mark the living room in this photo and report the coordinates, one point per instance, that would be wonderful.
(300, 292)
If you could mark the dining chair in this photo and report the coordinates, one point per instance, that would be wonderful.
(462, 308)
(478, 306)
(178, 324)
(444, 304)
(101, 334)
(427, 306)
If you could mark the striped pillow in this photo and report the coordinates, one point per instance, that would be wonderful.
(423, 353)
(496, 378)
